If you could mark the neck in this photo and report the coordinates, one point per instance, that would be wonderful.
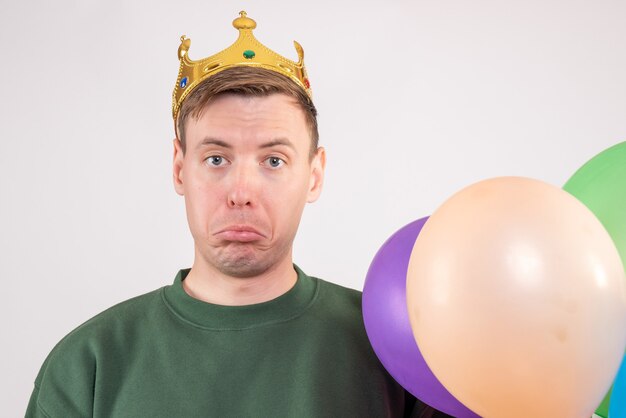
(206, 283)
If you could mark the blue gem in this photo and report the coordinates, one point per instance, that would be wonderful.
(183, 83)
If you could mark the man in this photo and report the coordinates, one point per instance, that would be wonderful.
(244, 332)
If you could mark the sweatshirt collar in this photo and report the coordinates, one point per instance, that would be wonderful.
(285, 307)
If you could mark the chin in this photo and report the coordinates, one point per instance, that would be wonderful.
(243, 264)
(244, 261)
(242, 268)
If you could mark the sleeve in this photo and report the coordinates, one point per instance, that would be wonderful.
(64, 387)
(33, 410)
(414, 408)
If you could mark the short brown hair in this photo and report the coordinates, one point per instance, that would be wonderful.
(247, 81)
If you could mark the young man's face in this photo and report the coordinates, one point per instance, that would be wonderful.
(246, 176)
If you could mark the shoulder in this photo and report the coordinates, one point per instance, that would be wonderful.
(83, 342)
(124, 313)
(339, 303)
(65, 383)
(341, 293)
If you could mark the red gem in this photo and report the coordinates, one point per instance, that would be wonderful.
(306, 83)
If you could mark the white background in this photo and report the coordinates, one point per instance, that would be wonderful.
(417, 99)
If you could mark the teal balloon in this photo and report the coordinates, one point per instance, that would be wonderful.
(618, 400)
(601, 185)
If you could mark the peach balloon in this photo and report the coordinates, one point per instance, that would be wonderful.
(517, 300)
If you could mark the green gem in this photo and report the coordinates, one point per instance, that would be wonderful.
(248, 54)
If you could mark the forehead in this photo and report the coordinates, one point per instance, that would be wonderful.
(232, 117)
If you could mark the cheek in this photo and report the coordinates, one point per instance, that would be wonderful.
(202, 201)
(288, 201)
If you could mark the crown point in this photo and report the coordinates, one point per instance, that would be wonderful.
(184, 46)
(244, 22)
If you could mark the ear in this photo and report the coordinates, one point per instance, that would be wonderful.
(179, 159)
(318, 164)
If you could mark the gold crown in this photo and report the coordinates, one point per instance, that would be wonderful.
(246, 50)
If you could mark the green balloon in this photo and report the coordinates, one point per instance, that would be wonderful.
(601, 185)
(603, 409)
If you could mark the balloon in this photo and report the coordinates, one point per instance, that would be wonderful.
(618, 400)
(387, 323)
(601, 185)
(517, 300)
(603, 409)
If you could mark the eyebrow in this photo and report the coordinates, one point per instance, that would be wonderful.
(213, 141)
(278, 141)
(274, 142)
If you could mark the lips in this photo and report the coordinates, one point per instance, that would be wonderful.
(240, 233)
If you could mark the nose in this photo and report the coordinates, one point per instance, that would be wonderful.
(242, 187)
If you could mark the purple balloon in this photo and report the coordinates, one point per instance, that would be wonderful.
(387, 323)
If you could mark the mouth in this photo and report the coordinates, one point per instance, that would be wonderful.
(239, 233)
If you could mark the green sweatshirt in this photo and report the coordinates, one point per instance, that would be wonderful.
(166, 354)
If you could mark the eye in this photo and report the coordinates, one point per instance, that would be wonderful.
(274, 162)
(215, 160)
